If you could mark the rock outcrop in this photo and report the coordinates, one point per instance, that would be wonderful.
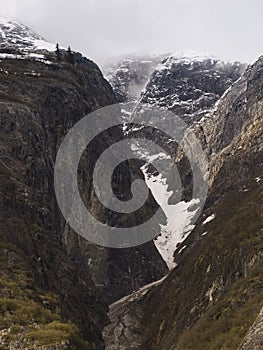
(128, 77)
(254, 337)
(190, 86)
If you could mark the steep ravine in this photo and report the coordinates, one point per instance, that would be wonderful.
(55, 287)
(190, 87)
(124, 331)
(214, 295)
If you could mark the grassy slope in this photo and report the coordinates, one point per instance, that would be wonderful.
(28, 315)
(227, 261)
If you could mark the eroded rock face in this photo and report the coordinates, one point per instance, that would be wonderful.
(39, 104)
(124, 330)
(235, 128)
(254, 338)
(128, 77)
(211, 299)
(190, 86)
(40, 100)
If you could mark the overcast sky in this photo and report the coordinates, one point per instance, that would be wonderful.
(101, 29)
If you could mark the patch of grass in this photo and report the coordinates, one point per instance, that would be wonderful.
(26, 312)
(224, 325)
(57, 332)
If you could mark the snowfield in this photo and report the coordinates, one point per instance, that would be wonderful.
(178, 216)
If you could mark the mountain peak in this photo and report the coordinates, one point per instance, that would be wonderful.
(18, 36)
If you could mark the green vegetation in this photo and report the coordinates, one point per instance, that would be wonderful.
(57, 332)
(226, 323)
(26, 312)
(212, 298)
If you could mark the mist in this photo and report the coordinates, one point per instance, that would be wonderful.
(100, 29)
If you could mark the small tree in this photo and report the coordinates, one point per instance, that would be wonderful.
(70, 56)
(58, 53)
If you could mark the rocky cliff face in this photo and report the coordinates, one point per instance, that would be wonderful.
(33, 94)
(254, 339)
(38, 101)
(41, 98)
(128, 77)
(213, 296)
(190, 86)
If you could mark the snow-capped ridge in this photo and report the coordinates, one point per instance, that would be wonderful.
(18, 36)
(188, 58)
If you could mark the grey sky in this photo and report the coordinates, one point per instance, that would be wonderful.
(101, 29)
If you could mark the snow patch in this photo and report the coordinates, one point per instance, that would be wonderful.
(138, 294)
(44, 45)
(259, 178)
(178, 216)
(33, 56)
(208, 219)
(180, 251)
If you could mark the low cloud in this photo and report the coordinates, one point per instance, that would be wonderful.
(102, 29)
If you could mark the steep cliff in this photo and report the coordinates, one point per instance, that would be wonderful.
(253, 339)
(41, 97)
(40, 101)
(214, 295)
(129, 76)
(189, 87)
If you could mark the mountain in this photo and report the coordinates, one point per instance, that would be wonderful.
(213, 298)
(190, 87)
(59, 291)
(19, 36)
(63, 276)
(187, 84)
